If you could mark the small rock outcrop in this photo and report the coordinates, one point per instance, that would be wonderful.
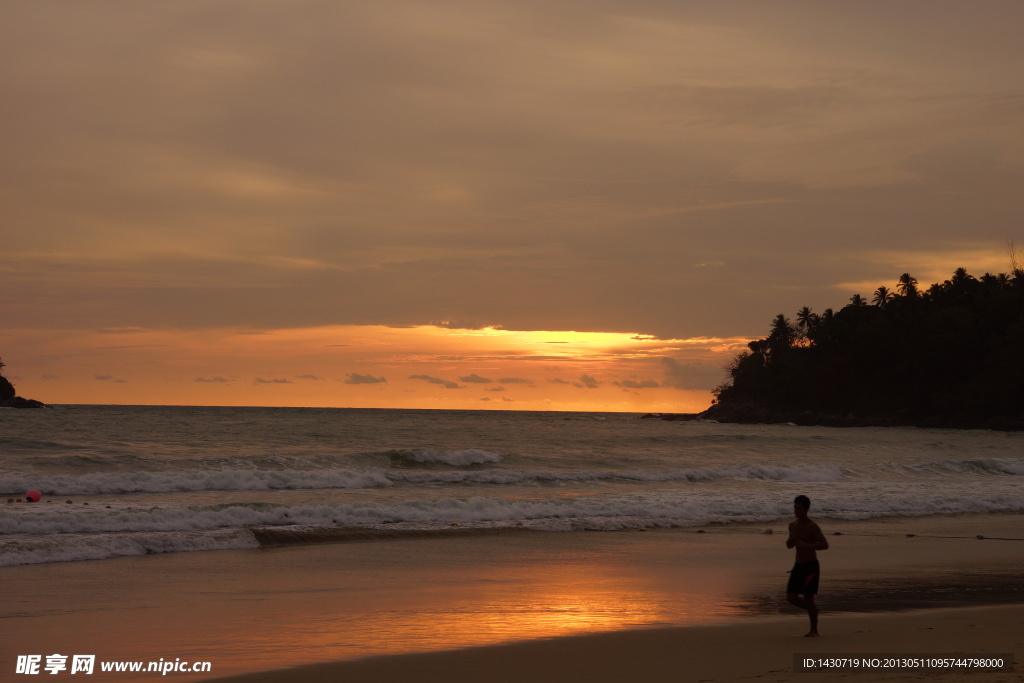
(10, 399)
(670, 417)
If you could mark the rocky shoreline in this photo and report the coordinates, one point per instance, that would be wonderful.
(749, 413)
(19, 402)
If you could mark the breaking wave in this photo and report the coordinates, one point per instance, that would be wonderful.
(47, 533)
(261, 480)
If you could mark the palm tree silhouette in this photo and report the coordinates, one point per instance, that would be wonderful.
(806, 319)
(883, 295)
(781, 338)
(907, 285)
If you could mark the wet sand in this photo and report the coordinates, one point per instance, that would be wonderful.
(365, 605)
(757, 650)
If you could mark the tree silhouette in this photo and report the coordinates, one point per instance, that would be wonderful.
(806, 319)
(6, 388)
(883, 295)
(948, 356)
(907, 285)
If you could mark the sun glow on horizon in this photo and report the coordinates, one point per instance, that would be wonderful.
(423, 366)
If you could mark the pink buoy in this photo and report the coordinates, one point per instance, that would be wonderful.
(33, 496)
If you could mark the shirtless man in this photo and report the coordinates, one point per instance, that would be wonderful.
(806, 537)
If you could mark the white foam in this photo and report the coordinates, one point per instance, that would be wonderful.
(197, 480)
(370, 477)
(18, 550)
(849, 501)
(45, 533)
(470, 456)
(260, 480)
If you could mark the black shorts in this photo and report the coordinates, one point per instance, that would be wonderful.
(803, 578)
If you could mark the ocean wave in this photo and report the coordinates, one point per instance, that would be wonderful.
(806, 473)
(260, 480)
(939, 468)
(98, 462)
(194, 480)
(463, 458)
(42, 519)
(679, 506)
(49, 533)
(34, 446)
(372, 477)
(74, 547)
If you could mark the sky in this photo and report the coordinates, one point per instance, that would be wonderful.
(533, 205)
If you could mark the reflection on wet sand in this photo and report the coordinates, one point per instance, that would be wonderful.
(877, 592)
(268, 609)
(557, 599)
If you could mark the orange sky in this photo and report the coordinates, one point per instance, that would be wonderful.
(377, 366)
(216, 203)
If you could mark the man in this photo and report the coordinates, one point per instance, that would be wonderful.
(806, 537)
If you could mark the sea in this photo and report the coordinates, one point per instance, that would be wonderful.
(135, 480)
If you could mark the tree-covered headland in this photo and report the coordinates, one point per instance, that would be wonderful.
(951, 355)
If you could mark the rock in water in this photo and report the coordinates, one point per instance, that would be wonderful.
(10, 399)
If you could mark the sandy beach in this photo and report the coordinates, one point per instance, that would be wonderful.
(763, 650)
(679, 604)
(891, 582)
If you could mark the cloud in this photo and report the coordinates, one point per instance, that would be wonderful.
(437, 380)
(588, 382)
(260, 380)
(691, 375)
(213, 380)
(475, 379)
(516, 380)
(520, 188)
(309, 377)
(108, 378)
(752, 106)
(643, 384)
(558, 380)
(463, 325)
(356, 378)
(495, 389)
